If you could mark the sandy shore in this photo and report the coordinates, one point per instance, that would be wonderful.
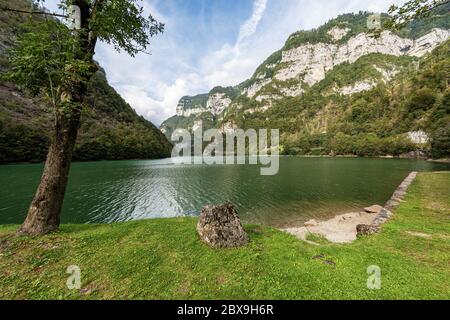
(340, 229)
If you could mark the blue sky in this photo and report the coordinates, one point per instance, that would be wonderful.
(209, 43)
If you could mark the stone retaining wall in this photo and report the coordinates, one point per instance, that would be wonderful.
(391, 205)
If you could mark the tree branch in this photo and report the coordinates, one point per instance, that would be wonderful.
(97, 7)
(34, 12)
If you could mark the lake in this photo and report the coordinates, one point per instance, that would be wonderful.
(305, 188)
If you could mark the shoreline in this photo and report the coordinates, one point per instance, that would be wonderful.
(165, 259)
(439, 160)
(344, 156)
(343, 228)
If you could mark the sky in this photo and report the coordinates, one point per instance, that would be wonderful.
(207, 43)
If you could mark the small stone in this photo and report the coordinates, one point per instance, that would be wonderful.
(373, 209)
(365, 229)
(378, 221)
(220, 227)
(384, 213)
(392, 204)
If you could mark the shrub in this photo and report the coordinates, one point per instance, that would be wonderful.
(440, 142)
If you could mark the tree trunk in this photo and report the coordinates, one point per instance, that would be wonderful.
(45, 210)
(44, 213)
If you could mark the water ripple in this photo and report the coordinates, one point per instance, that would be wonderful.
(104, 192)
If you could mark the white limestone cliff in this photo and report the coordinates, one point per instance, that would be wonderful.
(188, 112)
(217, 103)
(357, 87)
(311, 62)
(255, 87)
(428, 42)
(386, 75)
(337, 33)
(418, 136)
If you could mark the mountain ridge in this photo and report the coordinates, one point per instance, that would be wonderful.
(110, 128)
(306, 63)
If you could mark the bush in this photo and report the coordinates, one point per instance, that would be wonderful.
(421, 100)
(440, 143)
(397, 145)
(342, 144)
(369, 144)
(22, 144)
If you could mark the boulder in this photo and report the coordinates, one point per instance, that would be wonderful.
(373, 209)
(220, 227)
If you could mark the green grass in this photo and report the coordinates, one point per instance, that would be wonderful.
(163, 259)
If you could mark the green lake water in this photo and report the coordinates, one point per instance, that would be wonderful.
(304, 188)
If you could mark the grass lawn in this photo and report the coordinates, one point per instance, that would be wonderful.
(163, 259)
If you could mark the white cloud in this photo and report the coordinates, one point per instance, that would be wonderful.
(156, 98)
(186, 59)
(249, 27)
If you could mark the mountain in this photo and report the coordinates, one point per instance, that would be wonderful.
(205, 107)
(340, 82)
(110, 129)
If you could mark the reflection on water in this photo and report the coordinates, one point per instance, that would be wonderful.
(304, 188)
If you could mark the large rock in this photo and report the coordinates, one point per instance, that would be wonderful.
(220, 227)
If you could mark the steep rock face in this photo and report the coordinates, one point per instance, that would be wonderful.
(214, 103)
(255, 88)
(337, 33)
(418, 136)
(313, 61)
(386, 74)
(427, 43)
(217, 103)
(187, 113)
(357, 87)
(188, 106)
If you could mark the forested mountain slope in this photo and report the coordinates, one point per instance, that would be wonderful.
(340, 89)
(110, 129)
